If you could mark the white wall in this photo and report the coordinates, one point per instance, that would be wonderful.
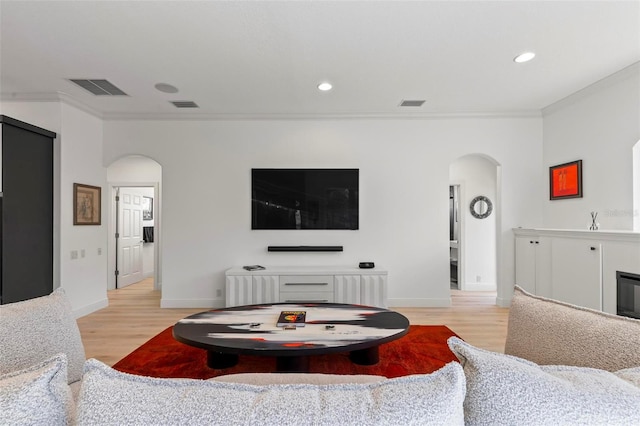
(599, 125)
(85, 278)
(134, 169)
(78, 159)
(477, 176)
(404, 179)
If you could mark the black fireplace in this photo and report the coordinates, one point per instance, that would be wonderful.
(628, 286)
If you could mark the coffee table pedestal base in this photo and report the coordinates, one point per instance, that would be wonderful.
(219, 360)
(292, 364)
(369, 356)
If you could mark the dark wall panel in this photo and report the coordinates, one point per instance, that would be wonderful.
(27, 213)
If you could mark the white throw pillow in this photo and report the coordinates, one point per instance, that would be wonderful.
(109, 397)
(37, 329)
(547, 331)
(38, 395)
(506, 390)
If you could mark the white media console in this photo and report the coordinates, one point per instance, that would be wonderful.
(298, 284)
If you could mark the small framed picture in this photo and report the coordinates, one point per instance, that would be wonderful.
(147, 208)
(86, 204)
(565, 180)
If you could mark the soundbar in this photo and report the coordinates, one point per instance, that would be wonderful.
(304, 248)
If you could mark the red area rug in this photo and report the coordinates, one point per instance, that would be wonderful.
(423, 350)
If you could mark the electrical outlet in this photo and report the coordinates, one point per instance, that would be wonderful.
(99, 251)
(478, 278)
(83, 253)
(218, 293)
(74, 254)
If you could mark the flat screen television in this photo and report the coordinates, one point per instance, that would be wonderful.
(304, 198)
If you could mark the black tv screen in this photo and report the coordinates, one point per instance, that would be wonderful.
(304, 199)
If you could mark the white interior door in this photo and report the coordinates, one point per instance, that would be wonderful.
(129, 237)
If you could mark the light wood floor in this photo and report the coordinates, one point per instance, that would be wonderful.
(134, 316)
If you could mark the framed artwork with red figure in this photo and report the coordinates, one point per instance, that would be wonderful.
(565, 180)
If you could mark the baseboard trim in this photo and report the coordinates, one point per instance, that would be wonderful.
(479, 287)
(192, 303)
(91, 308)
(503, 302)
(420, 303)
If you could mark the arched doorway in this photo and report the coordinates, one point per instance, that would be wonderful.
(134, 243)
(474, 247)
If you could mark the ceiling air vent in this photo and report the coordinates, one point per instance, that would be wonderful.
(185, 104)
(99, 87)
(414, 103)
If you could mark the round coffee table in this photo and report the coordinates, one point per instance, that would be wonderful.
(329, 328)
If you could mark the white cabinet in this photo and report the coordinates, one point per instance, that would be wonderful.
(532, 264)
(265, 289)
(306, 288)
(250, 290)
(240, 291)
(526, 263)
(373, 290)
(347, 289)
(306, 284)
(576, 272)
(575, 266)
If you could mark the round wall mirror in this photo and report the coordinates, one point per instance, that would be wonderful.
(481, 207)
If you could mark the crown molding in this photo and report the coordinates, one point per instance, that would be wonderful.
(198, 116)
(30, 97)
(317, 116)
(81, 106)
(50, 97)
(632, 70)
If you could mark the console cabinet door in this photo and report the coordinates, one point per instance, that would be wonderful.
(533, 269)
(576, 272)
(239, 290)
(266, 289)
(373, 290)
(526, 263)
(347, 289)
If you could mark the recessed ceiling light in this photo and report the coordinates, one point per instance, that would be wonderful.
(524, 57)
(325, 86)
(166, 88)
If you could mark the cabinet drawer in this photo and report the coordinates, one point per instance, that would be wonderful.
(304, 283)
(306, 297)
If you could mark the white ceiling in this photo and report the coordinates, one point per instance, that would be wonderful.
(265, 58)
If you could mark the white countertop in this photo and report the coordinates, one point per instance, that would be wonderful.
(607, 234)
(307, 270)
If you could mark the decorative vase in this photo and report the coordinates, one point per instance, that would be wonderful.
(594, 225)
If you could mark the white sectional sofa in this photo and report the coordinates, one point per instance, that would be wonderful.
(591, 375)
